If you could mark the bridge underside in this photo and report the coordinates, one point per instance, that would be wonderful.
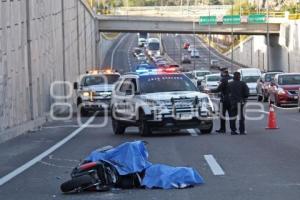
(173, 25)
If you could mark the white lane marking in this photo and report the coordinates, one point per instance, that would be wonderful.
(214, 166)
(193, 132)
(114, 50)
(38, 158)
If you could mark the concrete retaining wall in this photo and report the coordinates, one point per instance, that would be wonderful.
(41, 41)
(284, 50)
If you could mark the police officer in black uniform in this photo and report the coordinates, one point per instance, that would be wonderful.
(224, 99)
(238, 94)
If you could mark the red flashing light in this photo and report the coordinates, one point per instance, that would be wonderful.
(171, 69)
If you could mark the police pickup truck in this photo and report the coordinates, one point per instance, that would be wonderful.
(159, 100)
(94, 89)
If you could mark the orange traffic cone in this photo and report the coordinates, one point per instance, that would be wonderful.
(272, 122)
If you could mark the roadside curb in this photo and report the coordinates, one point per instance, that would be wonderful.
(21, 129)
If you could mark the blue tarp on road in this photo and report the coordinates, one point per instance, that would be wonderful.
(127, 158)
(132, 157)
(167, 177)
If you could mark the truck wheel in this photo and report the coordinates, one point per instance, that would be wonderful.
(207, 130)
(144, 128)
(83, 112)
(118, 127)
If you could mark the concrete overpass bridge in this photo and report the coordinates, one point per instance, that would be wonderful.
(107, 23)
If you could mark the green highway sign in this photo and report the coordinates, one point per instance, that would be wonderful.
(257, 18)
(208, 20)
(232, 19)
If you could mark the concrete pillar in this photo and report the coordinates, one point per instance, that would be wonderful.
(78, 36)
(97, 45)
(63, 44)
(278, 55)
(29, 65)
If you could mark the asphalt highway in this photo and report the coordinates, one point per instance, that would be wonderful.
(264, 164)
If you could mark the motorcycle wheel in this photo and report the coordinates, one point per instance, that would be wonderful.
(76, 184)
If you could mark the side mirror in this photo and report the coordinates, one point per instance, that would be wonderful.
(128, 92)
(75, 86)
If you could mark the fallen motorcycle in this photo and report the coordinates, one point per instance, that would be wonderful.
(127, 166)
(98, 176)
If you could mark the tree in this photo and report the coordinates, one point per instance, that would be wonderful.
(214, 2)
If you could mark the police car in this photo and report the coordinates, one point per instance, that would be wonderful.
(94, 89)
(159, 100)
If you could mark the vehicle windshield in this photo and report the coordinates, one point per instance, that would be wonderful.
(250, 79)
(100, 79)
(289, 80)
(190, 75)
(166, 83)
(153, 46)
(213, 78)
(270, 77)
(199, 74)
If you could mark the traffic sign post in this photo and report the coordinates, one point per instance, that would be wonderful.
(257, 18)
(208, 20)
(232, 19)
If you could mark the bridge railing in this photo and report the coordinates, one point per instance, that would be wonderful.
(171, 11)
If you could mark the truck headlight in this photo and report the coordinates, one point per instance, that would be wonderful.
(86, 94)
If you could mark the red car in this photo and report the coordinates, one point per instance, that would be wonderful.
(284, 89)
(186, 45)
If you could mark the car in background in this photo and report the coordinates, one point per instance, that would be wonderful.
(94, 89)
(214, 64)
(200, 74)
(141, 57)
(141, 42)
(191, 76)
(186, 59)
(210, 82)
(153, 47)
(145, 67)
(284, 89)
(263, 85)
(156, 58)
(160, 101)
(191, 48)
(250, 77)
(161, 63)
(186, 45)
(195, 53)
(136, 51)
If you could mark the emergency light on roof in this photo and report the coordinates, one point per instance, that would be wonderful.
(157, 71)
(103, 71)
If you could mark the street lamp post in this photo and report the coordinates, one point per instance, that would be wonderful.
(232, 39)
(268, 38)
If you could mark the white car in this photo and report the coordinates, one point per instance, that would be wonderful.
(200, 74)
(210, 82)
(160, 101)
(94, 89)
(195, 53)
(250, 77)
(141, 57)
(191, 48)
(141, 42)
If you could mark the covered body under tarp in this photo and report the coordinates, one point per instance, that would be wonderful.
(132, 157)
